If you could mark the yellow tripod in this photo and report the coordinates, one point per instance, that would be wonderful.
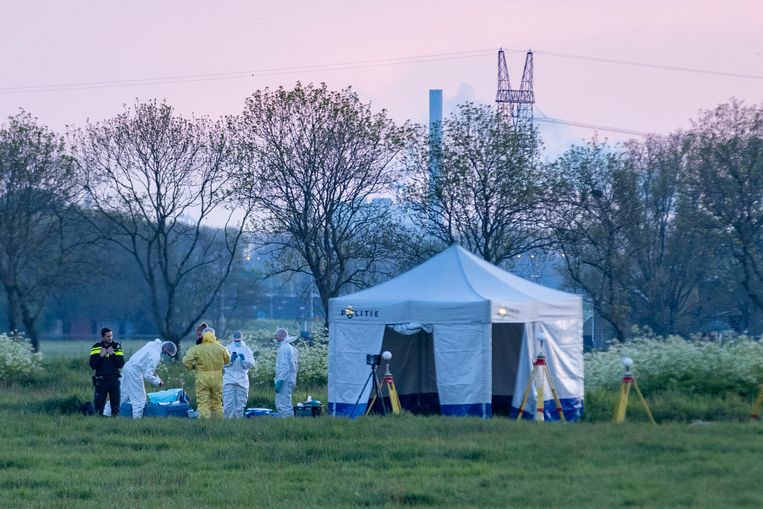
(625, 388)
(539, 376)
(756, 407)
(394, 399)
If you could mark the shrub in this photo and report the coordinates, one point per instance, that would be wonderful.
(17, 360)
(313, 360)
(312, 371)
(691, 366)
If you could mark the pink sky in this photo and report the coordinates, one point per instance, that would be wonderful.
(63, 42)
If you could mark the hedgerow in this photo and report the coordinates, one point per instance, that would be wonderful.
(693, 366)
(313, 360)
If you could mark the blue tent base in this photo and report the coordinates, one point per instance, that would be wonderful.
(347, 409)
(572, 408)
(418, 404)
(475, 410)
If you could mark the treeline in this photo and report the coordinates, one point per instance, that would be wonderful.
(663, 232)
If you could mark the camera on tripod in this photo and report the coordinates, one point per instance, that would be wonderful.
(373, 359)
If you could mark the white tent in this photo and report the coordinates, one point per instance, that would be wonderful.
(463, 334)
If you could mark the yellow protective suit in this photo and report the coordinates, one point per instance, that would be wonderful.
(207, 360)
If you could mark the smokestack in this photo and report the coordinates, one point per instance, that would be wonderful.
(435, 136)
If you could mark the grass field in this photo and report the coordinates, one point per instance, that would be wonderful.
(53, 459)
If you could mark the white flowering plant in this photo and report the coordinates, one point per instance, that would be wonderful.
(313, 360)
(313, 365)
(693, 366)
(18, 362)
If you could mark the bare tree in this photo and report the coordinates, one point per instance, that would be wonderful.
(40, 251)
(671, 252)
(317, 159)
(631, 236)
(486, 190)
(156, 180)
(592, 215)
(726, 167)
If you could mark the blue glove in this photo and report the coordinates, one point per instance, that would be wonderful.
(241, 358)
(279, 385)
(233, 357)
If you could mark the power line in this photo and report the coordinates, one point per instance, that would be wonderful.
(275, 71)
(595, 127)
(339, 66)
(360, 64)
(651, 66)
(586, 125)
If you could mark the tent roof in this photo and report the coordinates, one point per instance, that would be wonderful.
(456, 285)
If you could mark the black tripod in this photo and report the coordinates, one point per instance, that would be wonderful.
(377, 392)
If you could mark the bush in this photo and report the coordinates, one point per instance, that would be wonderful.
(18, 363)
(691, 366)
(312, 371)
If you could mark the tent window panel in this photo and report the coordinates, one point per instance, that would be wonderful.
(507, 346)
(413, 368)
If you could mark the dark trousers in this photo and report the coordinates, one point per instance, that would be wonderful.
(106, 386)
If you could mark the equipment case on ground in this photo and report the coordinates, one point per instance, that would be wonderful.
(307, 411)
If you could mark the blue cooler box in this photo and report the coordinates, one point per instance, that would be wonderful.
(125, 409)
(258, 412)
(173, 410)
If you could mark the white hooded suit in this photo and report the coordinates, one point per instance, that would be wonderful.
(236, 379)
(286, 370)
(142, 365)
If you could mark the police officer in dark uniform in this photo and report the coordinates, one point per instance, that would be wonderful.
(106, 361)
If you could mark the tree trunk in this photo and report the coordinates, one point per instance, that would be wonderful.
(31, 329)
(13, 321)
(324, 294)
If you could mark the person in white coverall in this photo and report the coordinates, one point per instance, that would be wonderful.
(236, 378)
(286, 373)
(143, 364)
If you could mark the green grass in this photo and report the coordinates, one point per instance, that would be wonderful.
(670, 406)
(55, 459)
(71, 461)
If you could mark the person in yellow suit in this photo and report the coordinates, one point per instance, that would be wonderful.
(207, 360)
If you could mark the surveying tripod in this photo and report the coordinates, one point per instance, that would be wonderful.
(622, 404)
(540, 374)
(376, 390)
(394, 399)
